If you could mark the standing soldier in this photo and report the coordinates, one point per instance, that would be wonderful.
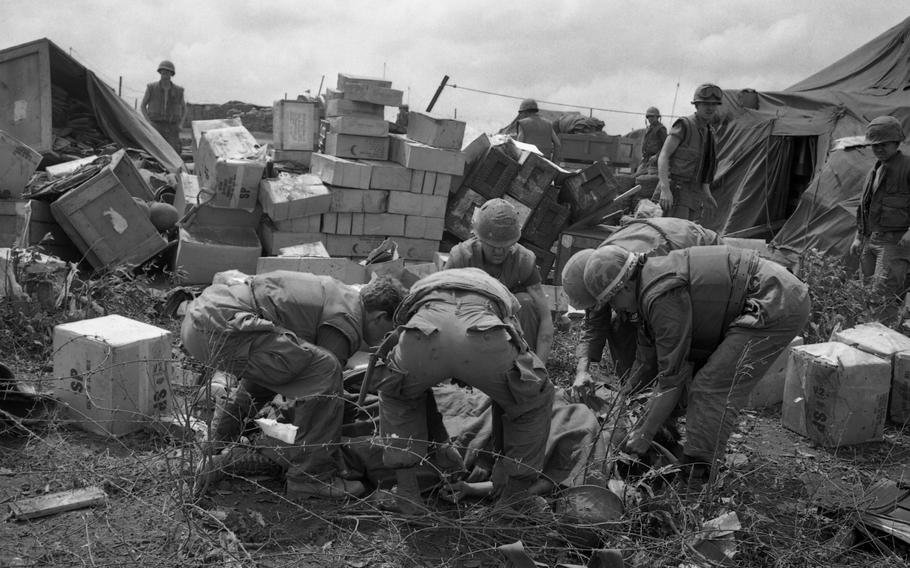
(652, 141)
(883, 217)
(535, 129)
(494, 249)
(713, 320)
(164, 106)
(687, 161)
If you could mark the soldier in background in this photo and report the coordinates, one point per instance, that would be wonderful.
(535, 129)
(164, 106)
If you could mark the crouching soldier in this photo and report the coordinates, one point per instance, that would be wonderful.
(713, 320)
(461, 324)
(289, 333)
(653, 237)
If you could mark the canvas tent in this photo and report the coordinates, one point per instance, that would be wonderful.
(791, 163)
(31, 74)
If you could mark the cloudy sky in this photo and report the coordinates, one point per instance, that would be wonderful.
(608, 54)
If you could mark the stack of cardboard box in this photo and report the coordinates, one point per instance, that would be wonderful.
(378, 185)
(295, 129)
(221, 203)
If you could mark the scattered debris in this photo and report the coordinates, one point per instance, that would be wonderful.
(51, 504)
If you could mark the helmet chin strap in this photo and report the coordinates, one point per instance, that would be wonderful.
(614, 284)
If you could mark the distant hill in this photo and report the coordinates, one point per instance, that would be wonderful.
(254, 118)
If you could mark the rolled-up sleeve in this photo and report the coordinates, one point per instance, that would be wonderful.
(670, 321)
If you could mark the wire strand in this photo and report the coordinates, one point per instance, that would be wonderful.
(454, 86)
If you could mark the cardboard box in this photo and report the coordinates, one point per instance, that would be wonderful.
(342, 269)
(372, 93)
(308, 224)
(63, 169)
(340, 172)
(886, 343)
(291, 196)
(836, 394)
(417, 156)
(295, 125)
(309, 250)
(346, 107)
(230, 165)
(299, 157)
(347, 200)
(381, 224)
(15, 219)
(113, 374)
(417, 227)
(356, 246)
(204, 251)
(274, 239)
(17, 164)
(444, 183)
(360, 147)
(439, 132)
(190, 193)
(389, 175)
(770, 388)
(358, 126)
(406, 203)
(416, 249)
(106, 224)
(346, 79)
(200, 127)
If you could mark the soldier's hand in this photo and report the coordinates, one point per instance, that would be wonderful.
(857, 245)
(582, 387)
(666, 196)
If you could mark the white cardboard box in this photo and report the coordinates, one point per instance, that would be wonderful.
(293, 196)
(112, 373)
(204, 251)
(230, 165)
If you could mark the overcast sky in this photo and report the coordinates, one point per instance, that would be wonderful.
(610, 54)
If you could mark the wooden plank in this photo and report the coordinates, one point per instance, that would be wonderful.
(52, 503)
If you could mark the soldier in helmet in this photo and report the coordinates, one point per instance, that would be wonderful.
(494, 248)
(652, 141)
(461, 324)
(653, 237)
(883, 217)
(687, 160)
(164, 106)
(713, 319)
(535, 129)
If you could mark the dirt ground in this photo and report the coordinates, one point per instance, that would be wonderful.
(151, 519)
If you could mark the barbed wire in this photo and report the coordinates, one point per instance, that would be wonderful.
(485, 92)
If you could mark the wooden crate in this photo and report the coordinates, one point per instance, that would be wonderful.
(571, 242)
(460, 211)
(588, 188)
(545, 259)
(492, 174)
(295, 125)
(546, 222)
(535, 175)
(106, 224)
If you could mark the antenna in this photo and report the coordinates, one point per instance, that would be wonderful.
(676, 94)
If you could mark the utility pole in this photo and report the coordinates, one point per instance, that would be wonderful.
(445, 79)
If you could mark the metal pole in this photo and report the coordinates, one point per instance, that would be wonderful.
(319, 92)
(120, 87)
(445, 79)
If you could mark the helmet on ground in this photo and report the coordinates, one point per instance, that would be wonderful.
(652, 111)
(527, 104)
(884, 129)
(167, 66)
(163, 215)
(708, 93)
(607, 271)
(573, 280)
(496, 223)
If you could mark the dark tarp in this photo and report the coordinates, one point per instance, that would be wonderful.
(569, 122)
(790, 141)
